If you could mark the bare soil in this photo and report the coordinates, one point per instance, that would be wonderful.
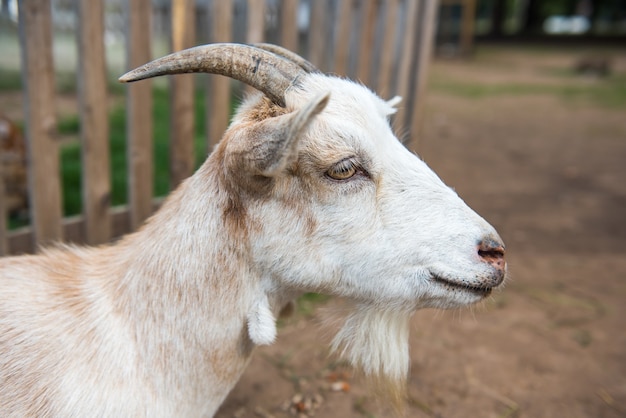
(549, 172)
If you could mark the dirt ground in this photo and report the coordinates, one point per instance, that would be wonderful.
(549, 172)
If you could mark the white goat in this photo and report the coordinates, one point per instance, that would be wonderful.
(308, 191)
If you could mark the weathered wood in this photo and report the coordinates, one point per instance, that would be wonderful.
(20, 241)
(342, 38)
(343, 24)
(182, 96)
(40, 121)
(318, 35)
(256, 21)
(406, 61)
(218, 97)
(388, 48)
(366, 48)
(289, 25)
(256, 27)
(468, 18)
(94, 132)
(139, 114)
(3, 212)
(424, 50)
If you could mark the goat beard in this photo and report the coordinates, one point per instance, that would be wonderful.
(376, 341)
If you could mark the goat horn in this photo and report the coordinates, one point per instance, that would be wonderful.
(263, 70)
(291, 56)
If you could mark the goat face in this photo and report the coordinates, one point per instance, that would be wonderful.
(347, 210)
(352, 212)
(322, 197)
(340, 206)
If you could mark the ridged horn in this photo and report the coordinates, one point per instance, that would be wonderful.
(261, 69)
(291, 56)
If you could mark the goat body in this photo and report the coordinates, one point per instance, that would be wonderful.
(315, 194)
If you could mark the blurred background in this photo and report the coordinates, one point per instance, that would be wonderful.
(519, 105)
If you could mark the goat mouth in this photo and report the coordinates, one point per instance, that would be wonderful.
(482, 291)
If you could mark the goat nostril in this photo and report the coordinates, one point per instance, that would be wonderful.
(492, 252)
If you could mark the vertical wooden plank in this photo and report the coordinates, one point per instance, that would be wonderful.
(388, 48)
(218, 106)
(256, 21)
(425, 45)
(94, 132)
(407, 57)
(139, 114)
(342, 37)
(467, 26)
(317, 34)
(368, 30)
(289, 25)
(4, 249)
(182, 96)
(43, 152)
(256, 27)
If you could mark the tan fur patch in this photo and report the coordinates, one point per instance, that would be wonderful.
(233, 156)
(233, 211)
(263, 109)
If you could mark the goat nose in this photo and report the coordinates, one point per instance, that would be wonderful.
(492, 251)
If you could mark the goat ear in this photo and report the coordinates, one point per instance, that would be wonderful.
(393, 103)
(269, 146)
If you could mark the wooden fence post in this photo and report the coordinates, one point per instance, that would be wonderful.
(218, 97)
(468, 18)
(405, 68)
(256, 27)
(4, 248)
(182, 96)
(40, 121)
(343, 22)
(424, 44)
(388, 48)
(139, 114)
(94, 126)
(256, 21)
(318, 34)
(366, 48)
(289, 25)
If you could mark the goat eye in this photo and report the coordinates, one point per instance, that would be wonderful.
(343, 170)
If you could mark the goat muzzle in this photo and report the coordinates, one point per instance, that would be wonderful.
(492, 251)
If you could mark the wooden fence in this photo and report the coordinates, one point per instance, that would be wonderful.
(384, 44)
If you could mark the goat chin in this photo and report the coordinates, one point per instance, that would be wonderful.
(376, 341)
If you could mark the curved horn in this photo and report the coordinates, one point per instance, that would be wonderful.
(256, 67)
(291, 56)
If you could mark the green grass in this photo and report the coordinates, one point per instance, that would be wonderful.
(568, 85)
(65, 82)
(610, 92)
(308, 301)
(10, 80)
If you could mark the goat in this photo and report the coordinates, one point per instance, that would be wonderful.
(308, 191)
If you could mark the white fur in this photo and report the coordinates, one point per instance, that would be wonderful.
(377, 341)
(163, 322)
(261, 322)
